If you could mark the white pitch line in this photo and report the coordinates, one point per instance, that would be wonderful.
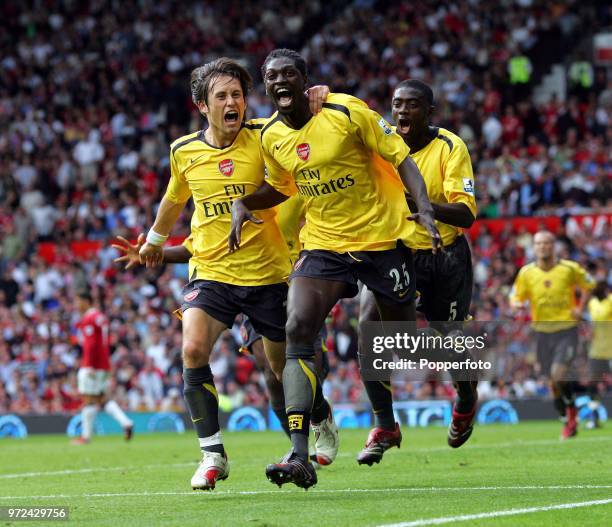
(497, 514)
(315, 491)
(411, 451)
(88, 470)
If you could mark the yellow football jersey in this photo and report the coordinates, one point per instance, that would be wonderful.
(551, 294)
(290, 218)
(447, 171)
(601, 315)
(291, 214)
(214, 177)
(188, 244)
(330, 162)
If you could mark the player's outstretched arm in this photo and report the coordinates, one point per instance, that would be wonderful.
(265, 197)
(413, 181)
(174, 254)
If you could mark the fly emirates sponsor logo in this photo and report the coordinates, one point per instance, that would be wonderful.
(224, 205)
(308, 182)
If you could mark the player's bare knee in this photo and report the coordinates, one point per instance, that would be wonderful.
(300, 330)
(195, 354)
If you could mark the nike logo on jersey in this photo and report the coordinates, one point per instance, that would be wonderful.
(196, 158)
(277, 146)
(402, 294)
(196, 420)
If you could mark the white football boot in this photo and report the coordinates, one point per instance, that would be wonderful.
(213, 467)
(326, 438)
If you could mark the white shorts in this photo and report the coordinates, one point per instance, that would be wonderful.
(93, 382)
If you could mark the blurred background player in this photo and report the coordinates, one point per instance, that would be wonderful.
(600, 352)
(94, 373)
(355, 226)
(550, 286)
(444, 279)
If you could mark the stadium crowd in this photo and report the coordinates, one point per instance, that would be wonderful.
(89, 105)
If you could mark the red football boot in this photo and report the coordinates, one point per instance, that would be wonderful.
(379, 441)
(570, 428)
(462, 425)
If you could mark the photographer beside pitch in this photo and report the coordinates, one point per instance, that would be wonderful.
(443, 279)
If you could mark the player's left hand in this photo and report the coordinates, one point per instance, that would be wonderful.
(240, 215)
(316, 97)
(129, 250)
(426, 219)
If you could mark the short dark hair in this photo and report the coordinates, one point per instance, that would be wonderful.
(298, 60)
(419, 86)
(203, 76)
(85, 294)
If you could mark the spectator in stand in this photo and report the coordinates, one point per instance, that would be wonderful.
(150, 382)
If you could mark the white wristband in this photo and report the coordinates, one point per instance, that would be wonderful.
(155, 238)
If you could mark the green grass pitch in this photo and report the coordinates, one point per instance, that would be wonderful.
(146, 482)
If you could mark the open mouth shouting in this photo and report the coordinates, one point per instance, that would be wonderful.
(231, 117)
(403, 126)
(283, 97)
